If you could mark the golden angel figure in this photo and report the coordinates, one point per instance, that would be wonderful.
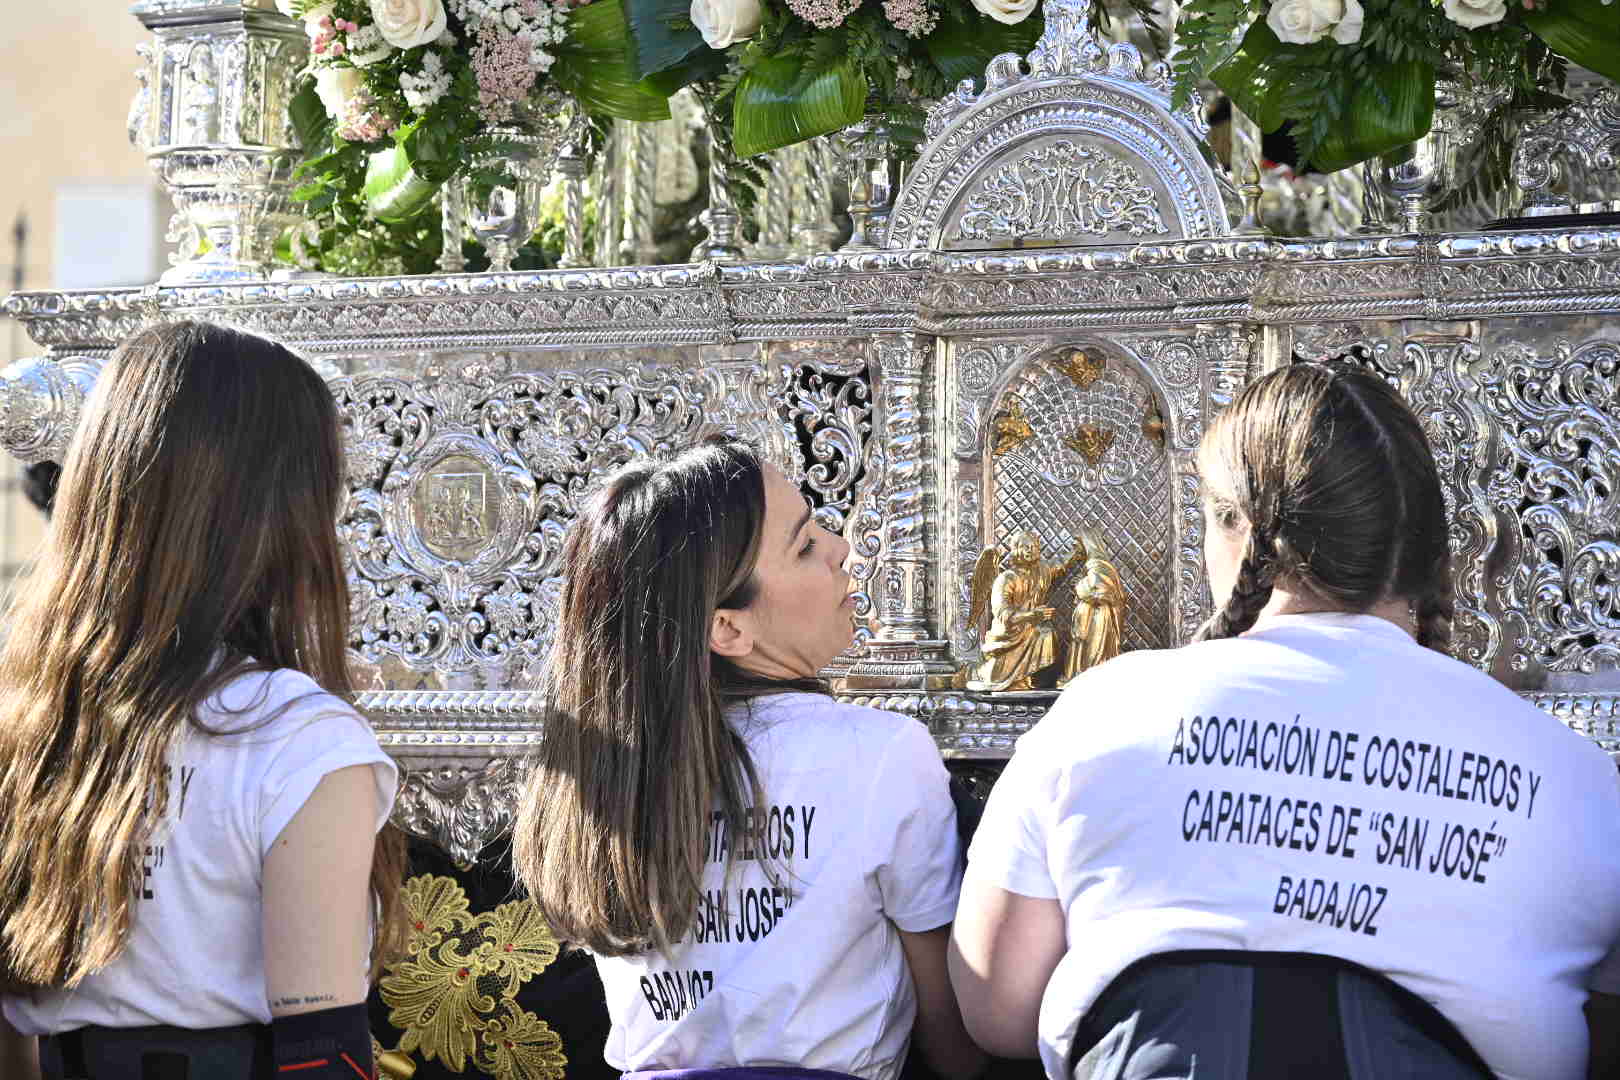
(1099, 611)
(1021, 642)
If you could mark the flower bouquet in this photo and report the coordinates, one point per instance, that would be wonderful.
(777, 72)
(1356, 78)
(403, 96)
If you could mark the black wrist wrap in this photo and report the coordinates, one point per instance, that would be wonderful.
(329, 1044)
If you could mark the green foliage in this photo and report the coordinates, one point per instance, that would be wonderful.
(797, 95)
(1585, 32)
(965, 42)
(659, 36)
(594, 68)
(1206, 38)
(1347, 103)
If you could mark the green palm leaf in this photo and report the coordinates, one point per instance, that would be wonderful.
(593, 65)
(659, 35)
(1255, 78)
(1585, 32)
(1393, 109)
(787, 99)
(393, 191)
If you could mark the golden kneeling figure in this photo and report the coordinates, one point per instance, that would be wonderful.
(1021, 642)
(1099, 612)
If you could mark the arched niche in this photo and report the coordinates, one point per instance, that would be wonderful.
(1082, 147)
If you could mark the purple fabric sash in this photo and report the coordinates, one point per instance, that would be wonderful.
(740, 1072)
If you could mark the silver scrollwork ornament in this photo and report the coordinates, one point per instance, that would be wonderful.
(40, 404)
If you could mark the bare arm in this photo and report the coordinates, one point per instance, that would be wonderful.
(19, 1054)
(1004, 947)
(941, 1038)
(317, 900)
(1603, 1023)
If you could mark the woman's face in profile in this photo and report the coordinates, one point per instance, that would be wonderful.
(1225, 531)
(802, 615)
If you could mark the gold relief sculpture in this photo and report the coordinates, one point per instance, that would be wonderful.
(1011, 429)
(453, 507)
(455, 994)
(1090, 442)
(1082, 366)
(1153, 423)
(1020, 643)
(1099, 611)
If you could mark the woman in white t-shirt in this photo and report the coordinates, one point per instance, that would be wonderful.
(1311, 844)
(192, 861)
(765, 876)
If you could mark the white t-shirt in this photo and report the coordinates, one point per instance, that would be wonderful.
(1322, 784)
(195, 956)
(861, 824)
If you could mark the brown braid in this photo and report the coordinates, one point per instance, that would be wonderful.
(1339, 472)
(1250, 592)
(1435, 609)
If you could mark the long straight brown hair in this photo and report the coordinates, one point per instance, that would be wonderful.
(637, 757)
(1336, 480)
(194, 538)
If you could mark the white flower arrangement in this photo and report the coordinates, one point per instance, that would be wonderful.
(1303, 22)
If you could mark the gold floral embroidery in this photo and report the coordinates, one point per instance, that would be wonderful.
(521, 1046)
(455, 995)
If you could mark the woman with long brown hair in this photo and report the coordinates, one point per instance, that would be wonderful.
(765, 876)
(192, 870)
(1311, 843)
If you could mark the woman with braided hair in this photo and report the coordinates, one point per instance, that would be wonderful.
(1311, 843)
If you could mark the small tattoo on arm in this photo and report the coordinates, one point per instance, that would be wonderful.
(292, 1000)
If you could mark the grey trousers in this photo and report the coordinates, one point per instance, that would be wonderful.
(1185, 1016)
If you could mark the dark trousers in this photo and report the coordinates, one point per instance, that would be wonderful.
(1215, 1015)
(158, 1053)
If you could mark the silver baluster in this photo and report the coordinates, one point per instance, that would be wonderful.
(453, 225)
(641, 164)
(721, 218)
(813, 228)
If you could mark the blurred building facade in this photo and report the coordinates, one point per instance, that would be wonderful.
(78, 205)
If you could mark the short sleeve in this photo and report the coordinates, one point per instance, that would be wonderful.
(1009, 848)
(912, 820)
(323, 736)
(1605, 978)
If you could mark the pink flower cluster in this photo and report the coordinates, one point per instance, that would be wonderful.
(362, 122)
(912, 17)
(824, 14)
(325, 42)
(500, 63)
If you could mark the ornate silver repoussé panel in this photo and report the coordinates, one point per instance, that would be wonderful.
(480, 409)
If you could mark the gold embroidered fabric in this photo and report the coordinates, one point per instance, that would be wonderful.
(454, 995)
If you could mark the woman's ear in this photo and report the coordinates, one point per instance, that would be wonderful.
(729, 634)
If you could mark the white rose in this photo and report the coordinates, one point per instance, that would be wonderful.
(1302, 22)
(286, 7)
(406, 24)
(336, 87)
(1348, 32)
(722, 22)
(1475, 13)
(1006, 11)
